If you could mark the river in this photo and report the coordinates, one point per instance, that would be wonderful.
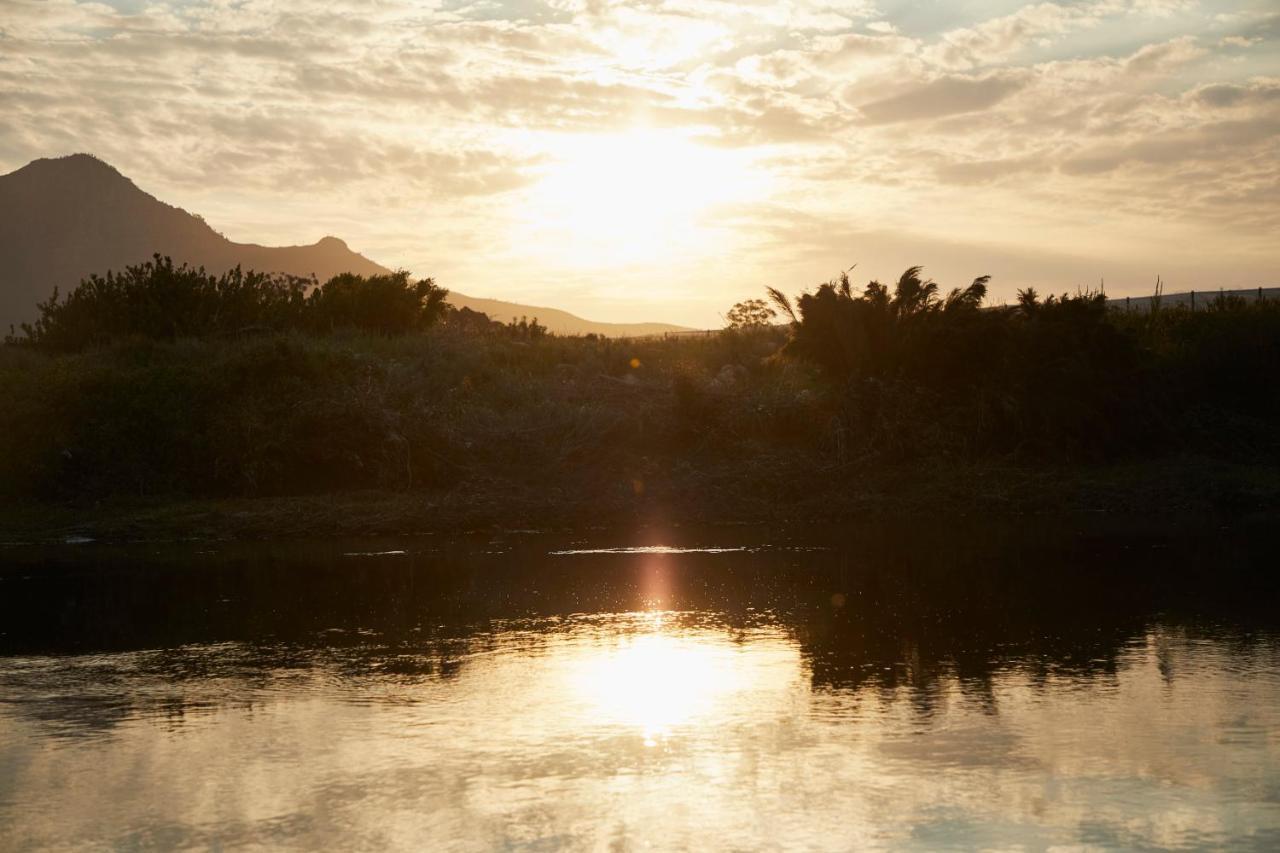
(884, 686)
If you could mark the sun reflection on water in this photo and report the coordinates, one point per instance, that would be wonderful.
(637, 730)
(661, 680)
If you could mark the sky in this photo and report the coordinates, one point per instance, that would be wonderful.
(661, 160)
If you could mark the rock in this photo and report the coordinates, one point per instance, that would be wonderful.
(730, 375)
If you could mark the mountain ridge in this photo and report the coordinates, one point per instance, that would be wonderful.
(62, 219)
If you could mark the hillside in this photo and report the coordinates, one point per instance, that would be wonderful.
(1202, 298)
(65, 218)
(561, 322)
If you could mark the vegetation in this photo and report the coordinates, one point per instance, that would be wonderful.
(159, 301)
(922, 371)
(163, 382)
(291, 412)
(750, 314)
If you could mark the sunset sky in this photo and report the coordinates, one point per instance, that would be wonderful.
(661, 160)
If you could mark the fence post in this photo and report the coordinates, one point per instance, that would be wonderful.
(1126, 305)
(1193, 300)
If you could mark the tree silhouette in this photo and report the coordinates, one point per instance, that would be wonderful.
(750, 314)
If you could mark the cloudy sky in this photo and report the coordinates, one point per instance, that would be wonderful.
(660, 160)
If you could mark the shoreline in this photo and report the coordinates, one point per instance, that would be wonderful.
(1170, 487)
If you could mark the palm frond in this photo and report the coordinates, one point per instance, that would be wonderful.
(784, 304)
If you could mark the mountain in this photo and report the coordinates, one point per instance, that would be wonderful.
(63, 219)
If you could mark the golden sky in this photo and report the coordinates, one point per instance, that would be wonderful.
(661, 160)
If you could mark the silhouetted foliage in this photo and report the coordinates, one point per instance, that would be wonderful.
(750, 314)
(526, 329)
(160, 301)
(875, 334)
(475, 322)
(923, 372)
(296, 412)
(176, 397)
(478, 323)
(386, 304)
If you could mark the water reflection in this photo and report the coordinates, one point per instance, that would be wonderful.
(663, 681)
(830, 700)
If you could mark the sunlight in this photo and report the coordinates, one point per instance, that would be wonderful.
(639, 40)
(636, 195)
(658, 681)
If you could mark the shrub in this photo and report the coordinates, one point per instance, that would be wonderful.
(160, 301)
(1058, 376)
(384, 304)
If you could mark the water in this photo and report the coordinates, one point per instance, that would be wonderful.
(710, 690)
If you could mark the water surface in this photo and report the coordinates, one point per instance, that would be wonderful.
(699, 690)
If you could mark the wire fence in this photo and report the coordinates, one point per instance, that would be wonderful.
(1194, 300)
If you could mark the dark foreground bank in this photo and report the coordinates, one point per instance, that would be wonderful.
(1208, 489)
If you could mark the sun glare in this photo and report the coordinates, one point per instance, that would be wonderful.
(638, 195)
(656, 682)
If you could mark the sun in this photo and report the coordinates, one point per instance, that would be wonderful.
(638, 195)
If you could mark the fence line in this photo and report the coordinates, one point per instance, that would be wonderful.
(1190, 299)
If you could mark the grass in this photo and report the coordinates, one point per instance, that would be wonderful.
(294, 413)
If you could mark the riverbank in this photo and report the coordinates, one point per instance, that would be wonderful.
(1173, 487)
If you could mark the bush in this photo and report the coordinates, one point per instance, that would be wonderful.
(1063, 376)
(384, 304)
(159, 301)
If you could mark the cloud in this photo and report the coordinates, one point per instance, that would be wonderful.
(945, 96)
(999, 38)
(420, 127)
(1227, 95)
(1165, 57)
(1214, 141)
(969, 172)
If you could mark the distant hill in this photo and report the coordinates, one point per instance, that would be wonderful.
(63, 219)
(562, 322)
(1203, 298)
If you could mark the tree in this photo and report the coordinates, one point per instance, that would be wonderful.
(387, 304)
(751, 314)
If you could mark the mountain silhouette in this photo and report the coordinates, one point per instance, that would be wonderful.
(62, 219)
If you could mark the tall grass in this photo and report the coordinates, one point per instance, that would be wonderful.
(290, 412)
